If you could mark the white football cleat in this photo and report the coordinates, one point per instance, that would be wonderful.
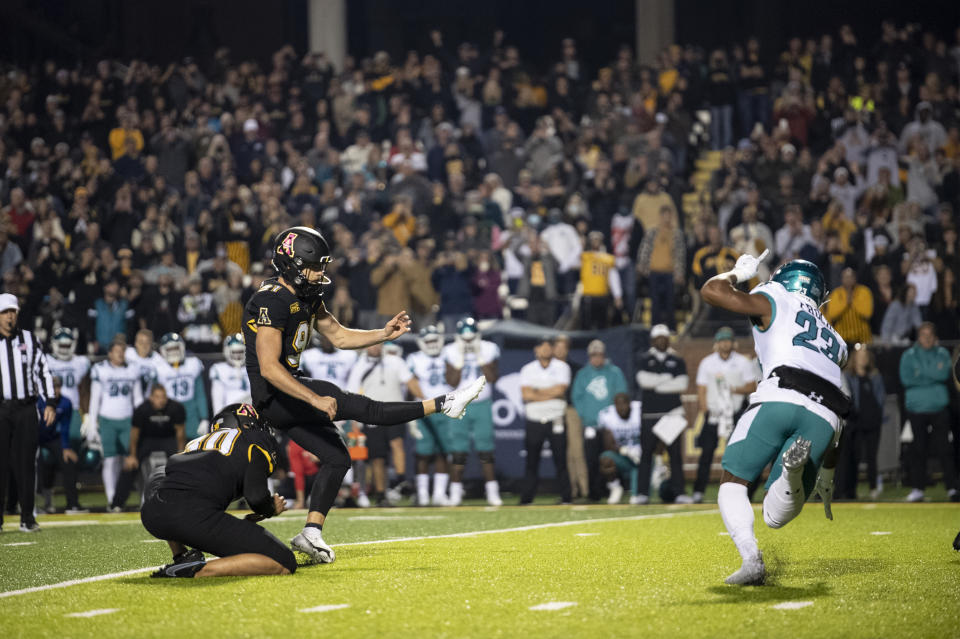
(310, 542)
(363, 501)
(797, 455)
(683, 499)
(639, 500)
(455, 403)
(916, 495)
(616, 492)
(751, 573)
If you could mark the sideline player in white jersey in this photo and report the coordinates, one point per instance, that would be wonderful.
(328, 363)
(115, 392)
(182, 376)
(469, 357)
(142, 355)
(619, 426)
(795, 415)
(724, 379)
(430, 368)
(229, 383)
(71, 369)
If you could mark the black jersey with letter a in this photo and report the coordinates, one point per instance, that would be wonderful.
(215, 466)
(275, 306)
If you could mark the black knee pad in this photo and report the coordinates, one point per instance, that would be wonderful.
(458, 459)
(485, 457)
(289, 561)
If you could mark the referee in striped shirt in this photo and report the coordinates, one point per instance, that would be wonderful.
(24, 376)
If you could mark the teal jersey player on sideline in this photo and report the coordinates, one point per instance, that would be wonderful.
(794, 417)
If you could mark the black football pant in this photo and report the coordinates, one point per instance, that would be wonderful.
(18, 451)
(648, 445)
(707, 441)
(936, 439)
(856, 444)
(315, 432)
(182, 516)
(145, 447)
(47, 469)
(536, 435)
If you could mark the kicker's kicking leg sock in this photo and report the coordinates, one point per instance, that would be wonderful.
(737, 516)
(784, 500)
(367, 411)
(326, 486)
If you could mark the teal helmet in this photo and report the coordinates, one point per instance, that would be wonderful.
(801, 276)
(467, 329)
(90, 458)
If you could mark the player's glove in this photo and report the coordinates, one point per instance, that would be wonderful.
(455, 357)
(632, 453)
(203, 427)
(415, 431)
(89, 430)
(747, 265)
(824, 488)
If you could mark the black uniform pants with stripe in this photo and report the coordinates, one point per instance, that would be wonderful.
(315, 432)
(18, 451)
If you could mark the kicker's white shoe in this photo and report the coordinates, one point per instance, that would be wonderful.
(616, 492)
(310, 541)
(751, 573)
(455, 403)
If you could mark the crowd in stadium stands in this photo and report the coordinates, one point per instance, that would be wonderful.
(459, 181)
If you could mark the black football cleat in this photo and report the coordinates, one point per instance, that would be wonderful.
(185, 565)
(956, 543)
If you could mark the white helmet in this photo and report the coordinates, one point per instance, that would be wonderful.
(63, 344)
(430, 341)
(173, 349)
(234, 350)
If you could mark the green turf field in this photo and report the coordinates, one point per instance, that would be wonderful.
(479, 572)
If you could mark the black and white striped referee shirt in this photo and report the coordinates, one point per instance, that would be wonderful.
(24, 373)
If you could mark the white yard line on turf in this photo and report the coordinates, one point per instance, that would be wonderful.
(554, 605)
(554, 524)
(93, 613)
(326, 608)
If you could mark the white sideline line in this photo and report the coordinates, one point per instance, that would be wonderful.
(554, 605)
(554, 524)
(21, 543)
(792, 605)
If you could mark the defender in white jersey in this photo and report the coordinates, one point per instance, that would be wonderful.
(794, 417)
(72, 369)
(328, 363)
(432, 436)
(142, 355)
(229, 383)
(469, 357)
(619, 426)
(182, 376)
(115, 392)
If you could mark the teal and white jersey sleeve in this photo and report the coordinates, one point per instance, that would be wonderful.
(118, 391)
(181, 381)
(626, 432)
(798, 336)
(228, 385)
(488, 352)
(70, 372)
(430, 372)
